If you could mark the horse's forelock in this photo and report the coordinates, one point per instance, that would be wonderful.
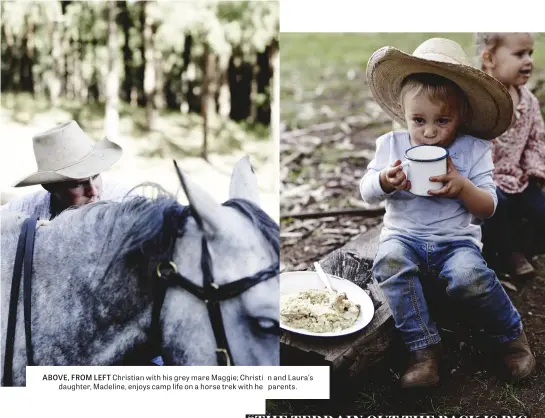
(260, 220)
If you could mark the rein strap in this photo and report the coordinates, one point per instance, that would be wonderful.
(24, 254)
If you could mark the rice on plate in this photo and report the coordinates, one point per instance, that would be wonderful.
(318, 310)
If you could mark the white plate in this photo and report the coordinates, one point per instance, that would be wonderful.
(297, 281)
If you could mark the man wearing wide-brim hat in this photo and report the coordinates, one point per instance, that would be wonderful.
(69, 167)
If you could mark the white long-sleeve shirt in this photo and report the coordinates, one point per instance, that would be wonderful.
(434, 219)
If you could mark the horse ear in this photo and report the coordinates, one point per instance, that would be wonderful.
(204, 208)
(244, 182)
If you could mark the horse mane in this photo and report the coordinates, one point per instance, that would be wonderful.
(140, 228)
(135, 227)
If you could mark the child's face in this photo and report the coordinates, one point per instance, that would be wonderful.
(511, 62)
(431, 122)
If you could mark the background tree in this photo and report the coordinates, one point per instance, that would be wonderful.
(205, 57)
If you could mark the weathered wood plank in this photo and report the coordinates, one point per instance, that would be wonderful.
(352, 353)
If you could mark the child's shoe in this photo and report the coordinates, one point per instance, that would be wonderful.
(518, 360)
(519, 265)
(423, 368)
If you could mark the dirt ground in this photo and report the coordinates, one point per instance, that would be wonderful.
(469, 383)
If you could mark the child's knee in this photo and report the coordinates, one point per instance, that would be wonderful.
(391, 260)
(470, 281)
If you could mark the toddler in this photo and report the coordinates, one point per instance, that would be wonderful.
(518, 154)
(444, 102)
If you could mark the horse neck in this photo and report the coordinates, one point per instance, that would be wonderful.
(95, 318)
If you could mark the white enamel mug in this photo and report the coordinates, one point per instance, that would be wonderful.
(423, 162)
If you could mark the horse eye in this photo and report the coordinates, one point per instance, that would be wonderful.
(267, 325)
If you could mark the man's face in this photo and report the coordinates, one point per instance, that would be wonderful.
(78, 192)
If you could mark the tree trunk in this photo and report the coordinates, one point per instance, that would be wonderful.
(170, 87)
(240, 83)
(224, 98)
(112, 78)
(264, 62)
(70, 69)
(8, 57)
(71, 57)
(275, 116)
(141, 70)
(253, 91)
(126, 22)
(233, 78)
(184, 106)
(27, 59)
(208, 95)
(66, 53)
(55, 83)
(80, 91)
(150, 82)
(159, 98)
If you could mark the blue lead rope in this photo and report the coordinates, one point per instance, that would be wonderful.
(158, 361)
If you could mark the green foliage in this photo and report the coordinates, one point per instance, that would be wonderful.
(250, 24)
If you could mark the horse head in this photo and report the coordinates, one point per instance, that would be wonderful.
(241, 241)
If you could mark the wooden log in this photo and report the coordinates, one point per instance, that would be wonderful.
(352, 354)
(370, 213)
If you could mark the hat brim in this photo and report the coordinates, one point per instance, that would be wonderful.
(105, 154)
(490, 102)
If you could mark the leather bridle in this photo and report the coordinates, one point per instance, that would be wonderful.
(210, 293)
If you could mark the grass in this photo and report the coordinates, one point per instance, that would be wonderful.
(323, 74)
(510, 396)
(366, 401)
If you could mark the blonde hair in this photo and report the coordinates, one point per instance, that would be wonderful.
(435, 88)
(488, 41)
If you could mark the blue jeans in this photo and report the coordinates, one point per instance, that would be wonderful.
(400, 264)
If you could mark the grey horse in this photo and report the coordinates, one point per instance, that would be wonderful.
(93, 293)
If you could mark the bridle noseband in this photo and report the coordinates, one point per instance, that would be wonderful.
(210, 293)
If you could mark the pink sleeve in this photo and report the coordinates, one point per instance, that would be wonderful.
(533, 158)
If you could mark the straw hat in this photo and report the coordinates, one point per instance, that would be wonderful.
(66, 153)
(491, 104)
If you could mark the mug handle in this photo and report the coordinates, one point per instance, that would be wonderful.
(405, 167)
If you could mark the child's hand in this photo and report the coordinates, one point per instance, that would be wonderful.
(394, 178)
(454, 182)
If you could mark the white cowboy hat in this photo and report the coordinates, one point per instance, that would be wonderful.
(490, 102)
(66, 153)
